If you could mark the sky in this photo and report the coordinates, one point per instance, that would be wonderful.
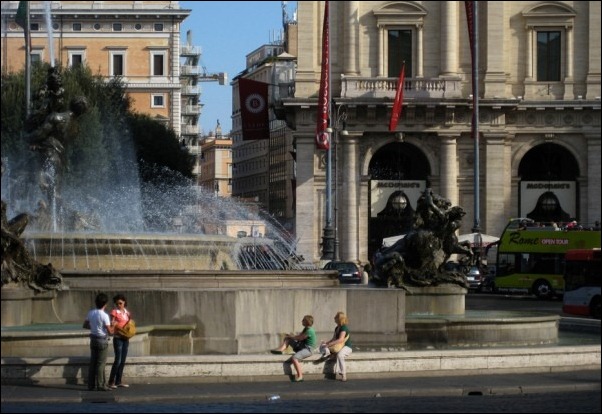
(226, 32)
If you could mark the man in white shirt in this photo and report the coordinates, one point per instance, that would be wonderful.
(100, 327)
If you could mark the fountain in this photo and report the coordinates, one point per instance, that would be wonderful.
(192, 285)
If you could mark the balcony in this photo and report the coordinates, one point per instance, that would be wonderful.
(190, 70)
(414, 88)
(191, 109)
(190, 51)
(191, 90)
(189, 129)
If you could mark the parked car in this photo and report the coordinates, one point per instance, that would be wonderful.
(348, 271)
(475, 278)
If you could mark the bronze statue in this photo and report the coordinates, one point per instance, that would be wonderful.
(17, 264)
(418, 258)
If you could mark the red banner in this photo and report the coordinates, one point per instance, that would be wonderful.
(397, 104)
(254, 109)
(322, 137)
(469, 20)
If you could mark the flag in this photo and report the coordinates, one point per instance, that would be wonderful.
(21, 18)
(397, 104)
(254, 109)
(469, 20)
(322, 137)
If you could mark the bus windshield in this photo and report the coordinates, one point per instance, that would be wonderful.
(582, 278)
(532, 258)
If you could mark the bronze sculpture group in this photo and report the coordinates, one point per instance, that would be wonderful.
(419, 257)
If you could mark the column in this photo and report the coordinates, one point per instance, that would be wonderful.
(529, 59)
(348, 221)
(592, 189)
(351, 48)
(497, 182)
(382, 53)
(420, 55)
(309, 215)
(449, 167)
(449, 38)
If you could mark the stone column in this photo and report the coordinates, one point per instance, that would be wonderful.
(497, 184)
(593, 58)
(309, 216)
(592, 189)
(420, 55)
(449, 38)
(494, 80)
(351, 38)
(348, 221)
(382, 52)
(529, 58)
(449, 167)
(570, 57)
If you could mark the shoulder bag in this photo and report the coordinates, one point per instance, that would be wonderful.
(337, 347)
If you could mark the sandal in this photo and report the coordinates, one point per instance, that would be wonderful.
(276, 352)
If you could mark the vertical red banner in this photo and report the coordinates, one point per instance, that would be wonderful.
(469, 20)
(322, 137)
(397, 104)
(254, 109)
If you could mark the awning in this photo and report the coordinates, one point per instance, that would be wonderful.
(486, 239)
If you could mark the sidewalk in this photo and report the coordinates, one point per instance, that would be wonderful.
(187, 390)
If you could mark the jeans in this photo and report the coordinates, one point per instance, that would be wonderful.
(98, 359)
(120, 346)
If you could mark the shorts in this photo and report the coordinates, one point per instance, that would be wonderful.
(302, 353)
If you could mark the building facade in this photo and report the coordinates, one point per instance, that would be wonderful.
(538, 152)
(137, 41)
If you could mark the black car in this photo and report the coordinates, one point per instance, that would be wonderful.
(348, 271)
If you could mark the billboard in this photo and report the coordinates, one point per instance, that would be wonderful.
(547, 201)
(381, 191)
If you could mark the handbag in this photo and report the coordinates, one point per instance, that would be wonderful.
(337, 347)
(128, 330)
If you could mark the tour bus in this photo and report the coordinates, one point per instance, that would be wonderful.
(582, 276)
(530, 257)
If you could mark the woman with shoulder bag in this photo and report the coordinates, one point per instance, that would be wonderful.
(339, 345)
(119, 318)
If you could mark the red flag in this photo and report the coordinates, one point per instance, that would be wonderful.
(469, 19)
(322, 137)
(397, 104)
(254, 109)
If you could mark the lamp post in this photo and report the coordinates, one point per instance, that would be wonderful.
(337, 128)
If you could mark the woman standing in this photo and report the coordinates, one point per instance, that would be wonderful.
(119, 317)
(340, 337)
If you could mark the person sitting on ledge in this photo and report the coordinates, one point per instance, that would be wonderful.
(302, 344)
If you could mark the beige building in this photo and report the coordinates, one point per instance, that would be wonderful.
(138, 41)
(216, 163)
(539, 105)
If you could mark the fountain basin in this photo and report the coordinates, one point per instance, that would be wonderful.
(482, 329)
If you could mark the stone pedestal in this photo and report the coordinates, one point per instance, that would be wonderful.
(435, 300)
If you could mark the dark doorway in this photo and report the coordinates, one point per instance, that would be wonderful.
(402, 169)
(549, 189)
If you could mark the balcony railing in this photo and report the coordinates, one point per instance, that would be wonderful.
(364, 87)
(190, 70)
(192, 109)
(189, 129)
(190, 51)
(191, 90)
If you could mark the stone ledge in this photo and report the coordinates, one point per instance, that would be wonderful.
(530, 359)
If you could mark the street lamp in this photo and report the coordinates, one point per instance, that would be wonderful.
(330, 245)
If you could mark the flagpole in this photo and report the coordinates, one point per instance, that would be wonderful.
(475, 102)
(328, 236)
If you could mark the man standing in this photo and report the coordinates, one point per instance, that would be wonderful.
(100, 327)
